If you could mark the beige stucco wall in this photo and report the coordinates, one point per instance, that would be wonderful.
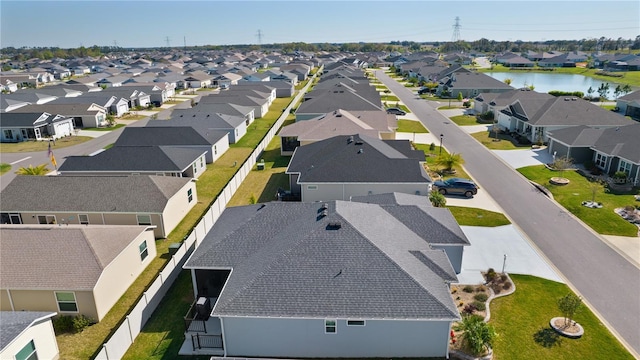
(43, 337)
(328, 192)
(122, 272)
(45, 300)
(178, 207)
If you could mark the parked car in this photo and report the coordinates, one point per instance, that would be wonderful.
(396, 111)
(456, 186)
(424, 90)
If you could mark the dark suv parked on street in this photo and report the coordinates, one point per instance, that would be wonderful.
(457, 186)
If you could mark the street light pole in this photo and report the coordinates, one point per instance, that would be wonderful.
(441, 136)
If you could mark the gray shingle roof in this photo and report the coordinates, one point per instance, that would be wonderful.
(287, 261)
(139, 193)
(339, 122)
(328, 101)
(167, 135)
(135, 158)
(577, 136)
(365, 159)
(60, 258)
(622, 141)
(14, 323)
(572, 111)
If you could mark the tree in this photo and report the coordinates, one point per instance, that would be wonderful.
(460, 97)
(448, 161)
(603, 89)
(590, 91)
(626, 89)
(437, 199)
(568, 305)
(39, 170)
(477, 335)
(595, 186)
(562, 163)
(507, 81)
(617, 92)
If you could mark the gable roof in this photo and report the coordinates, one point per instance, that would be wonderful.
(621, 142)
(164, 135)
(29, 119)
(39, 257)
(358, 158)
(14, 323)
(290, 260)
(340, 122)
(328, 101)
(136, 194)
(574, 111)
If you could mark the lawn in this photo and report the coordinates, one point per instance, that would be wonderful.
(43, 145)
(110, 128)
(465, 120)
(389, 98)
(571, 196)
(478, 217)
(4, 168)
(411, 126)
(131, 116)
(522, 323)
(505, 142)
(432, 156)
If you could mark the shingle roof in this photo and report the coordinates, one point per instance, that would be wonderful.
(364, 159)
(139, 193)
(327, 101)
(287, 261)
(167, 135)
(574, 111)
(621, 141)
(60, 258)
(14, 323)
(339, 122)
(135, 158)
(577, 136)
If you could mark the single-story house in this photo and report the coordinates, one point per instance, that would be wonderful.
(37, 125)
(259, 104)
(103, 200)
(283, 89)
(198, 79)
(83, 115)
(28, 335)
(318, 103)
(322, 280)
(36, 271)
(353, 165)
(469, 84)
(629, 105)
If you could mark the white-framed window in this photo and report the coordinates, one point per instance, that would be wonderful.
(624, 166)
(355, 323)
(330, 326)
(312, 187)
(144, 251)
(83, 219)
(190, 195)
(8, 134)
(144, 219)
(46, 219)
(66, 301)
(195, 167)
(15, 218)
(202, 162)
(28, 352)
(215, 149)
(601, 160)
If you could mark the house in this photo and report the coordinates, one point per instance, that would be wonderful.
(495, 102)
(36, 275)
(629, 105)
(564, 60)
(257, 77)
(146, 200)
(136, 97)
(344, 166)
(148, 160)
(83, 115)
(321, 280)
(376, 124)
(469, 84)
(158, 92)
(609, 149)
(37, 125)
(283, 89)
(27, 335)
(318, 103)
(7, 85)
(173, 136)
(259, 103)
(198, 79)
(228, 129)
(115, 105)
(518, 61)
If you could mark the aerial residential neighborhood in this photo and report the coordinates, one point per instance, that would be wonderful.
(428, 198)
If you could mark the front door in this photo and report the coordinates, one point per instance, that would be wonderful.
(38, 135)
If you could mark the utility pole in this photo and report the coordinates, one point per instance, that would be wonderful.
(259, 36)
(185, 43)
(166, 40)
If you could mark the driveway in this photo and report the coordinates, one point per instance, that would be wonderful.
(521, 158)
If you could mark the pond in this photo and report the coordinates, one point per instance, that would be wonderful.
(544, 82)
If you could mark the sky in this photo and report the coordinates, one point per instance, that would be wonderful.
(156, 23)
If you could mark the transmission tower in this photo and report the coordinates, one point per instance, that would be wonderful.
(259, 36)
(185, 42)
(456, 30)
(166, 40)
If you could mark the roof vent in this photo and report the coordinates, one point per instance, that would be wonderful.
(338, 115)
(349, 139)
(574, 99)
(324, 206)
(334, 225)
(359, 142)
(566, 99)
(360, 151)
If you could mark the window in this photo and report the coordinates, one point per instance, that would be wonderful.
(601, 160)
(624, 166)
(66, 301)
(8, 134)
(15, 218)
(144, 219)
(195, 167)
(355, 322)
(190, 195)
(312, 187)
(46, 219)
(83, 219)
(330, 326)
(144, 252)
(202, 162)
(215, 149)
(28, 352)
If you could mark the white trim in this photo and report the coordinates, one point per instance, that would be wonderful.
(335, 326)
(75, 301)
(80, 222)
(10, 300)
(364, 322)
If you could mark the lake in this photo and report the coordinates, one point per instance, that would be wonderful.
(544, 82)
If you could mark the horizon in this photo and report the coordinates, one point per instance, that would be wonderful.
(149, 24)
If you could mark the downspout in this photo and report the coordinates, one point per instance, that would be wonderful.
(194, 283)
(10, 300)
(224, 340)
(448, 340)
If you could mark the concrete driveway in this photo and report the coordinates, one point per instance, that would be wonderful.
(521, 158)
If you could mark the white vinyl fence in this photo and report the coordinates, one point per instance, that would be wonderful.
(123, 337)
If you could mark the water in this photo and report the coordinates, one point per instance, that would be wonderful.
(544, 82)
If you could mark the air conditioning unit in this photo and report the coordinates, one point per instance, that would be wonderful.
(203, 308)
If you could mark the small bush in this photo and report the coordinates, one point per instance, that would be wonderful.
(497, 288)
(468, 289)
(63, 324)
(432, 147)
(480, 306)
(470, 309)
(80, 322)
(491, 275)
(506, 285)
(481, 288)
(454, 291)
(458, 298)
(460, 303)
(481, 297)
(504, 277)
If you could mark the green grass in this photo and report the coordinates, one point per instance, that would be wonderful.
(33, 146)
(451, 107)
(571, 196)
(411, 126)
(389, 98)
(465, 120)
(108, 146)
(405, 108)
(431, 157)
(505, 142)
(478, 217)
(110, 128)
(135, 117)
(608, 107)
(4, 167)
(522, 323)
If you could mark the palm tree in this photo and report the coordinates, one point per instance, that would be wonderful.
(437, 199)
(477, 335)
(31, 170)
(448, 161)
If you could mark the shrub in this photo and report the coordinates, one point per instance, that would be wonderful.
(432, 147)
(481, 288)
(63, 324)
(491, 275)
(497, 288)
(457, 297)
(469, 309)
(480, 306)
(506, 285)
(461, 303)
(468, 289)
(80, 322)
(481, 297)
(504, 277)
(454, 291)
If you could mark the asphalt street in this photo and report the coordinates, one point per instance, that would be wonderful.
(608, 283)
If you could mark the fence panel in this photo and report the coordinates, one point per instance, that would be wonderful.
(102, 355)
(119, 342)
(152, 296)
(136, 318)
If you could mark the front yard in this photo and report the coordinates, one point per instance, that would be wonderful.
(43, 145)
(604, 220)
(501, 142)
(411, 126)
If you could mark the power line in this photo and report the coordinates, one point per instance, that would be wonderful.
(456, 30)
(167, 41)
(259, 36)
